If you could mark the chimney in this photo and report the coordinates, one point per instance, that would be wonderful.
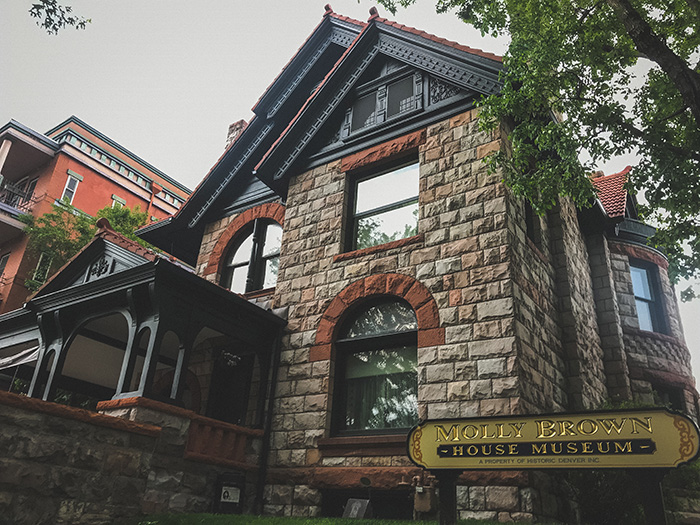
(234, 131)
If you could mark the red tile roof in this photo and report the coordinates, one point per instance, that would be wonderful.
(439, 40)
(105, 231)
(611, 191)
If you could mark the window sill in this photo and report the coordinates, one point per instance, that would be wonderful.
(659, 336)
(379, 248)
(371, 445)
(259, 293)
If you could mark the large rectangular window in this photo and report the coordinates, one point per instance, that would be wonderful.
(385, 207)
(646, 297)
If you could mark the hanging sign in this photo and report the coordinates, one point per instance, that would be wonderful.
(654, 438)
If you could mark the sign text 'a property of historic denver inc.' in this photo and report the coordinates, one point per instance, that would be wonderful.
(654, 438)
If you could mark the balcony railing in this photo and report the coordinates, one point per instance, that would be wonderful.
(16, 198)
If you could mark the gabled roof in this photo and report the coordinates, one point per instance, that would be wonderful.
(65, 275)
(612, 192)
(286, 118)
(471, 69)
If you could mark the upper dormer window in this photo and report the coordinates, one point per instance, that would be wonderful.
(383, 99)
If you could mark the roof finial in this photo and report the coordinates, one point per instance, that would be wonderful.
(103, 224)
(373, 13)
(329, 10)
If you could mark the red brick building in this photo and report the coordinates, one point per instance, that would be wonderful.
(74, 163)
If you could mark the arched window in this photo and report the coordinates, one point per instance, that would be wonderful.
(252, 263)
(377, 383)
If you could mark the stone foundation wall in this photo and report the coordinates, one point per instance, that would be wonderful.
(64, 465)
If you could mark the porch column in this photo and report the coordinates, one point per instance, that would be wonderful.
(4, 151)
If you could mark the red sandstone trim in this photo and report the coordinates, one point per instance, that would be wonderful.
(634, 332)
(259, 293)
(144, 402)
(213, 460)
(666, 378)
(398, 285)
(387, 445)
(273, 211)
(637, 251)
(383, 152)
(77, 414)
(379, 248)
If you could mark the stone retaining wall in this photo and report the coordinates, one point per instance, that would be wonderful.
(64, 465)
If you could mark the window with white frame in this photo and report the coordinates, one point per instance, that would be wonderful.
(70, 189)
(118, 202)
(384, 207)
(41, 273)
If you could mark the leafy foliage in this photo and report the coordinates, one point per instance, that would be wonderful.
(53, 16)
(570, 91)
(62, 232)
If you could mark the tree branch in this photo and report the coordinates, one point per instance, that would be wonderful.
(655, 49)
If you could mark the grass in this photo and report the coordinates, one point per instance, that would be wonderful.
(238, 519)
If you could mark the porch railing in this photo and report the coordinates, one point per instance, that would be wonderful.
(216, 442)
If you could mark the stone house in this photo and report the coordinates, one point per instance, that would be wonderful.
(357, 206)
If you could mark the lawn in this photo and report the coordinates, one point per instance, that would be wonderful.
(234, 519)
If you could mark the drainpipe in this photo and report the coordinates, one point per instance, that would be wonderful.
(266, 444)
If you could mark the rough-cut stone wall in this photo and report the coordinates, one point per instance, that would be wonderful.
(540, 363)
(577, 316)
(463, 258)
(63, 465)
(609, 324)
(654, 359)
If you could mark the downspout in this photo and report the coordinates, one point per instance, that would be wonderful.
(266, 442)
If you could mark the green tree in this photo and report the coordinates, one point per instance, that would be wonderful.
(571, 91)
(53, 16)
(58, 235)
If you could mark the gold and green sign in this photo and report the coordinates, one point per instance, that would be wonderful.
(654, 438)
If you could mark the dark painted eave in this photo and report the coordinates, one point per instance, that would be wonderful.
(485, 63)
(16, 319)
(223, 171)
(217, 291)
(30, 133)
(322, 31)
(141, 275)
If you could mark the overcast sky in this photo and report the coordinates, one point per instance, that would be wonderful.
(165, 78)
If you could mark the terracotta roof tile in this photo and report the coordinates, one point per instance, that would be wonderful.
(611, 191)
(440, 40)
